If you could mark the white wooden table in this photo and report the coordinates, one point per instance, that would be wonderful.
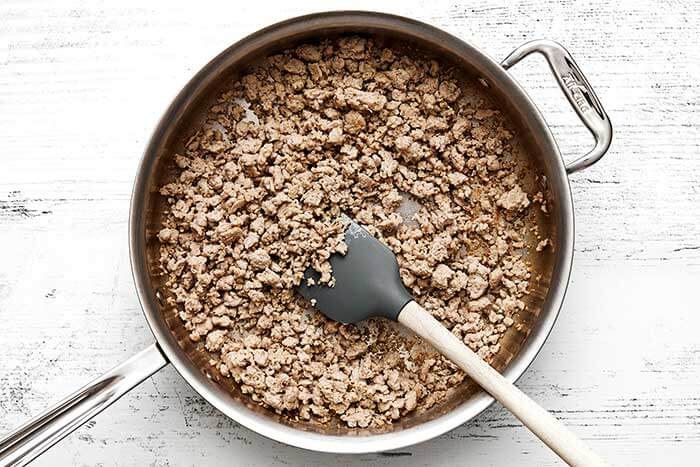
(83, 83)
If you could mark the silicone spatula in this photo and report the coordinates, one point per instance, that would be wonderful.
(368, 284)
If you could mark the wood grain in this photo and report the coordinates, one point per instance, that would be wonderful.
(560, 439)
(82, 84)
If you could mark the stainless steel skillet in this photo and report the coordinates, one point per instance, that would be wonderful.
(172, 346)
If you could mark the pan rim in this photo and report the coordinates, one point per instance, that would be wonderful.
(267, 426)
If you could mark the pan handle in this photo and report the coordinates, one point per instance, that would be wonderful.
(26, 442)
(577, 90)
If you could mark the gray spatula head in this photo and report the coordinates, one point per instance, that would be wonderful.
(367, 281)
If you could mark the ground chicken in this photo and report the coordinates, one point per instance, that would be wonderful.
(400, 144)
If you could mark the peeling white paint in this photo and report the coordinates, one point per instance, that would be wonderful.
(82, 84)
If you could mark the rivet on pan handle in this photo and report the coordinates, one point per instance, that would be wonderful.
(43, 431)
(577, 90)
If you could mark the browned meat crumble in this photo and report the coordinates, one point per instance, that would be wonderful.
(406, 148)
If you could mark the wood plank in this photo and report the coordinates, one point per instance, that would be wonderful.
(83, 84)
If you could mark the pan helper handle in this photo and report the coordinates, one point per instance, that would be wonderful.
(577, 90)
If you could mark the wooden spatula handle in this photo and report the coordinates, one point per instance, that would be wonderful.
(543, 424)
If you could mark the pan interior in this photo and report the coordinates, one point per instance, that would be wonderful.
(188, 113)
